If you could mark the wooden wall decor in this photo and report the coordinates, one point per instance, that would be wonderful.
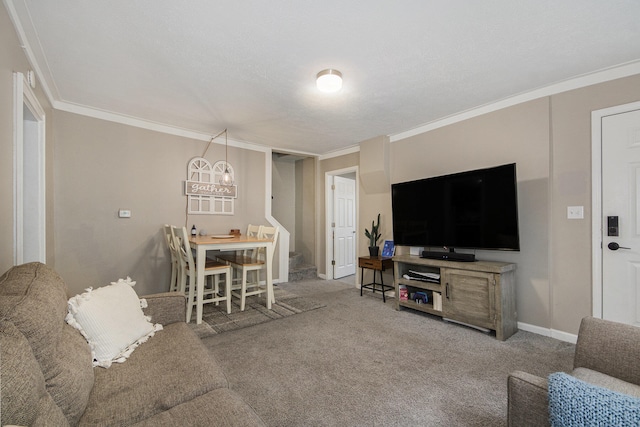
(204, 192)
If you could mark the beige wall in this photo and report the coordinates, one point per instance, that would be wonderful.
(550, 140)
(283, 197)
(305, 212)
(520, 135)
(571, 177)
(374, 198)
(101, 167)
(12, 59)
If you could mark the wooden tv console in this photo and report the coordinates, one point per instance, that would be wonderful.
(480, 294)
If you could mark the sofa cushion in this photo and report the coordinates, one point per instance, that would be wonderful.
(606, 381)
(34, 298)
(608, 347)
(166, 307)
(23, 397)
(218, 408)
(172, 368)
(111, 320)
(573, 402)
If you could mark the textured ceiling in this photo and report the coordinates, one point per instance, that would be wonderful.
(250, 65)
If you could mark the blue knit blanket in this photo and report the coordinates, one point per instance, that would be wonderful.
(573, 403)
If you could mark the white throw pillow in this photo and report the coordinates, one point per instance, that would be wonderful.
(111, 320)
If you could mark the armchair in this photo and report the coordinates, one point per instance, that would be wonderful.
(606, 356)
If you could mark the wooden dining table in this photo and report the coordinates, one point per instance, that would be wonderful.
(203, 244)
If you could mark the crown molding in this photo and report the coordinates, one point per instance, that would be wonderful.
(151, 125)
(338, 153)
(613, 73)
(23, 30)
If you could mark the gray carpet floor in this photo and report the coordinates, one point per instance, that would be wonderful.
(359, 362)
(216, 320)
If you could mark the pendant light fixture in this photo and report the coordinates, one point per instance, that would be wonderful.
(226, 178)
(329, 80)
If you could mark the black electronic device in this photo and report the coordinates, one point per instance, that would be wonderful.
(448, 256)
(475, 209)
(612, 226)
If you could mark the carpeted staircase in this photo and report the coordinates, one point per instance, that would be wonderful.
(299, 270)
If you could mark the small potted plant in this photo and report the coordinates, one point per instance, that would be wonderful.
(373, 237)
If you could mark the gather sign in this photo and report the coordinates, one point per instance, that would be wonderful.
(210, 189)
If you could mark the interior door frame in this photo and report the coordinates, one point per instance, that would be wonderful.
(328, 215)
(596, 199)
(24, 97)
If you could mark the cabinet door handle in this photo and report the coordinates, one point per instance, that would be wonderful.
(446, 290)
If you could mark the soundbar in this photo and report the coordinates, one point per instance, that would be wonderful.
(448, 256)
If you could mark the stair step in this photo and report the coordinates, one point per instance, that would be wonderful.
(303, 272)
(295, 259)
(299, 270)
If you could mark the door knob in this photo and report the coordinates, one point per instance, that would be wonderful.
(614, 246)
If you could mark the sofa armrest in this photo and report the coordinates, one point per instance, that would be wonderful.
(609, 347)
(166, 308)
(527, 400)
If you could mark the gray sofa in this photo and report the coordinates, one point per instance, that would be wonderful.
(606, 355)
(47, 376)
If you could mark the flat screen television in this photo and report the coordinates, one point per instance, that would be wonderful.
(476, 209)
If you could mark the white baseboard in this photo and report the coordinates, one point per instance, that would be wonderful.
(559, 335)
(564, 336)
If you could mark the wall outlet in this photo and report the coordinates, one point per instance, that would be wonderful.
(575, 212)
(124, 213)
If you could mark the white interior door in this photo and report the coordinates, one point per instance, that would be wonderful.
(344, 219)
(621, 217)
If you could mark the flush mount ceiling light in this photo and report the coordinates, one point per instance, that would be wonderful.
(329, 80)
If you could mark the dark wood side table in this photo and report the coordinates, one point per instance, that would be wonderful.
(375, 263)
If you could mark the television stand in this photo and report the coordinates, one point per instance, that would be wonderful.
(481, 294)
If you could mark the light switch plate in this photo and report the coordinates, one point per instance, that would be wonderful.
(124, 213)
(575, 212)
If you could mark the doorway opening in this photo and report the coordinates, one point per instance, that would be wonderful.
(293, 206)
(29, 239)
(341, 225)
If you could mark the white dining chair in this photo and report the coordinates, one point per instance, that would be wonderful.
(188, 271)
(248, 268)
(175, 263)
(235, 257)
(230, 256)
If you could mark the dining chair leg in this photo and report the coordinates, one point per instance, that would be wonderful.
(182, 281)
(216, 287)
(257, 283)
(174, 278)
(266, 286)
(190, 299)
(243, 290)
(199, 300)
(227, 291)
